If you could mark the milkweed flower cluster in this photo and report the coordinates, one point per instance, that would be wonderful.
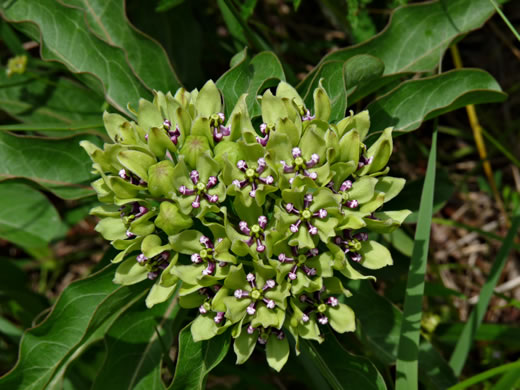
(254, 221)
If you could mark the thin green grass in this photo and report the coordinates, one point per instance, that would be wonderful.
(486, 375)
(408, 352)
(460, 354)
(506, 20)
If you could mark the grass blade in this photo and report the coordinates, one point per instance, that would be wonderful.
(505, 19)
(408, 352)
(486, 375)
(459, 356)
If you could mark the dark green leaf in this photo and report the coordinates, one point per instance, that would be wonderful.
(61, 166)
(81, 316)
(249, 76)
(30, 221)
(48, 101)
(417, 35)
(108, 21)
(342, 369)
(196, 360)
(415, 101)
(65, 38)
(135, 344)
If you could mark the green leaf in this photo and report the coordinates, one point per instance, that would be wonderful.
(250, 76)
(375, 255)
(416, 101)
(408, 352)
(66, 38)
(458, 358)
(277, 352)
(428, 30)
(145, 56)
(30, 221)
(196, 360)
(83, 313)
(61, 166)
(341, 369)
(135, 345)
(46, 104)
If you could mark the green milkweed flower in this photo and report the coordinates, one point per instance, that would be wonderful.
(254, 225)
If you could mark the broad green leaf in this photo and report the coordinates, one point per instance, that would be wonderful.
(196, 360)
(250, 76)
(135, 345)
(82, 315)
(408, 351)
(145, 56)
(61, 166)
(65, 37)
(416, 101)
(460, 354)
(30, 220)
(46, 103)
(340, 368)
(417, 36)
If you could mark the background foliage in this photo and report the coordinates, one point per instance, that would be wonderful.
(85, 57)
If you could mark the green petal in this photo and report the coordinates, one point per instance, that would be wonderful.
(194, 146)
(311, 142)
(192, 301)
(236, 279)
(268, 317)
(360, 122)
(272, 108)
(349, 146)
(341, 318)
(390, 186)
(159, 294)
(217, 303)
(203, 328)
(190, 274)
(374, 255)
(334, 286)
(130, 272)
(161, 179)
(286, 90)
(187, 242)
(171, 220)
(287, 127)
(244, 346)
(363, 189)
(341, 171)
(380, 151)
(148, 115)
(208, 100)
(321, 103)
(111, 228)
(277, 352)
(113, 124)
(279, 294)
(151, 246)
(236, 308)
(302, 239)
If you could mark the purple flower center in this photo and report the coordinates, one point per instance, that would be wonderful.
(200, 190)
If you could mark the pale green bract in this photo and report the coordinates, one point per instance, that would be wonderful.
(257, 218)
